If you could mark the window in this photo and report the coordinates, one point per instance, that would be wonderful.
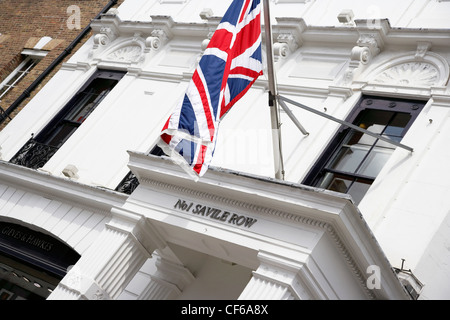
(353, 159)
(39, 149)
(13, 79)
(78, 109)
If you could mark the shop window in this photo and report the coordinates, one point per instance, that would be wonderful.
(32, 263)
(40, 148)
(353, 159)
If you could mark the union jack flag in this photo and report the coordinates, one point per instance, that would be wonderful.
(228, 68)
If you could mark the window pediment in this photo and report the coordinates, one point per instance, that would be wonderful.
(416, 74)
(430, 70)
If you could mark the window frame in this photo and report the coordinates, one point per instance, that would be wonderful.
(37, 151)
(335, 146)
(69, 107)
(9, 86)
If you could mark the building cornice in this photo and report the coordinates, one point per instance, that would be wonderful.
(274, 200)
(380, 30)
(60, 188)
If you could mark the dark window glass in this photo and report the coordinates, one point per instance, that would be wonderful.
(130, 181)
(78, 109)
(38, 150)
(352, 161)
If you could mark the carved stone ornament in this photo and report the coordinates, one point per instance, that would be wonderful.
(131, 53)
(361, 54)
(417, 74)
(156, 40)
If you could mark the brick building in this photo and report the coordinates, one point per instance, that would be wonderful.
(35, 40)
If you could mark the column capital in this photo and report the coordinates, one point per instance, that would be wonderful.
(168, 282)
(280, 278)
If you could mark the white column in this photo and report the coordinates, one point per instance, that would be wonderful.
(110, 263)
(277, 278)
(168, 282)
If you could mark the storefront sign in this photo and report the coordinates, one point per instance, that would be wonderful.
(26, 237)
(215, 213)
(37, 248)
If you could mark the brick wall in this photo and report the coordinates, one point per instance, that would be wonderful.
(24, 22)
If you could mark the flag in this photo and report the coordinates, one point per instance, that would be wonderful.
(227, 69)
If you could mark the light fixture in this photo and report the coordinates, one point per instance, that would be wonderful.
(346, 16)
(206, 14)
(70, 171)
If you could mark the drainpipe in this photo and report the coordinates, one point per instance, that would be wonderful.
(26, 93)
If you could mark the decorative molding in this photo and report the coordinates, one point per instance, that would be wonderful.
(369, 45)
(285, 45)
(373, 42)
(97, 200)
(422, 49)
(289, 31)
(157, 40)
(131, 53)
(79, 286)
(104, 37)
(168, 282)
(416, 74)
(271, 213)
(117, 41)
(278, 278)
(359, 56)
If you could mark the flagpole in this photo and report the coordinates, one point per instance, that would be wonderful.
(273, 104)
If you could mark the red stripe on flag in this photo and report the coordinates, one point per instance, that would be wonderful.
(206, 107)
(246, 72)
(165, 137)
(221, 40)
(227, 107)
(243, 12)
(200, 159)
(248, 36)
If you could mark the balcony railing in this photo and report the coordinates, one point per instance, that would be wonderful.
(33, 154)
(128, 184)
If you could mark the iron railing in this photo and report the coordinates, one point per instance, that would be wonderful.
(33, 154)
(128, 184)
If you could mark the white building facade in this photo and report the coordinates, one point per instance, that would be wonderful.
(362, 210)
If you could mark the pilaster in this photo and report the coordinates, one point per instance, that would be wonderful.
(110, 263)
(277, 278)
(168, 282)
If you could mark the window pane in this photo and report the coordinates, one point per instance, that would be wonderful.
(21, 72)
(17, 75)
(375, 161)
(396, 127)
(358, 190)
(335, 183)
(354, 159)
(60, 134)
(90, 98)
(350, 158)
(374, 121)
